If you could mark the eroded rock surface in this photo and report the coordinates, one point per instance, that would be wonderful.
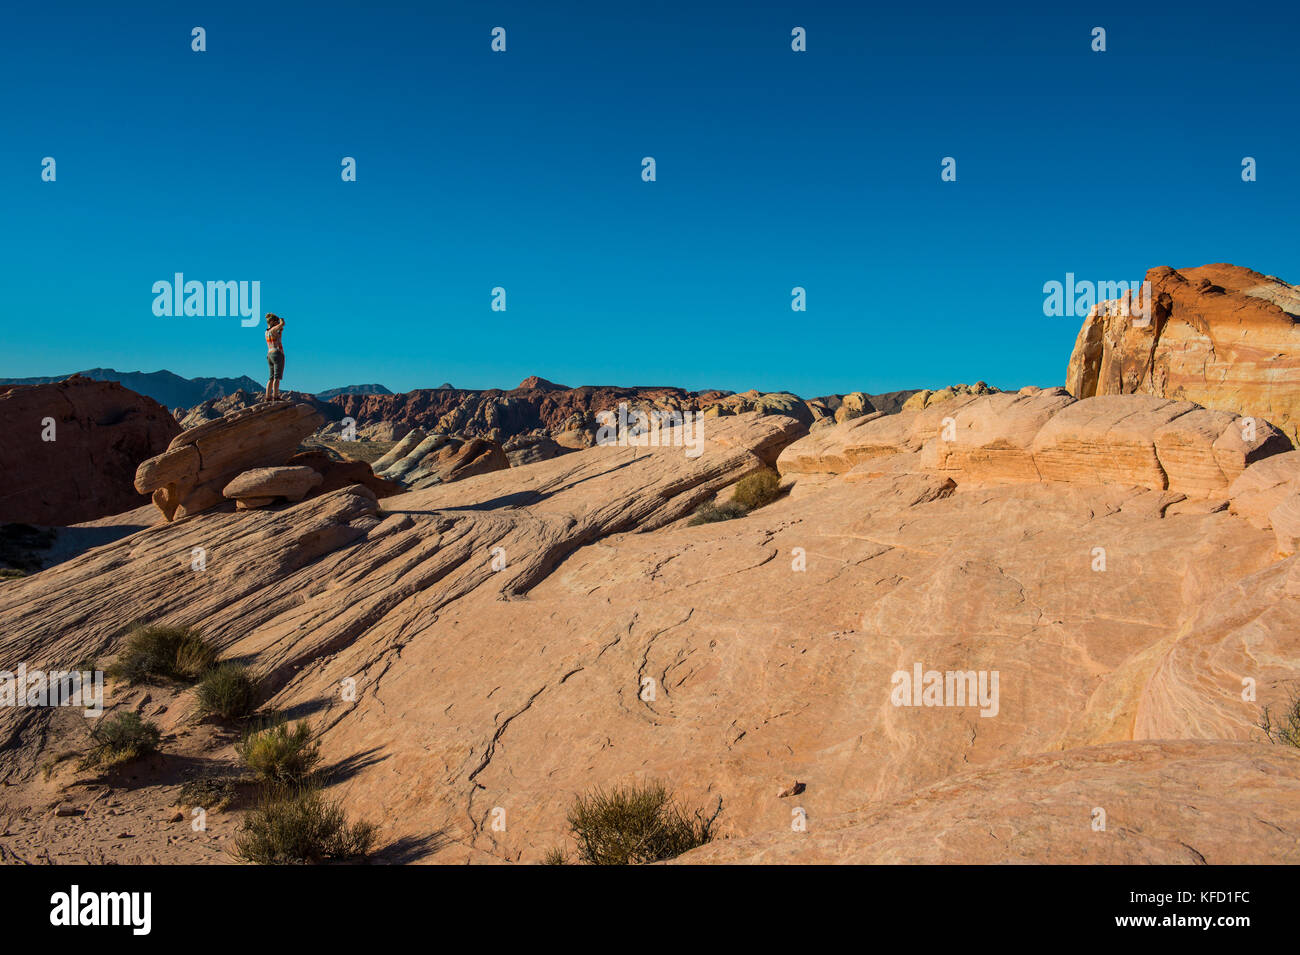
(1225, 337)
(70, 448)
(422, 460)
(522, 636)
(190, 476)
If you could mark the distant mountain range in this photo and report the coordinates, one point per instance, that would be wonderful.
(536, 401)
(173, 391)
(329, 393)
(168, 389)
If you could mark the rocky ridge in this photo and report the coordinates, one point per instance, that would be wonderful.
(500, 630)
(70, 448)
(1225, 337)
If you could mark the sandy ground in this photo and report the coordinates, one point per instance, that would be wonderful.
(129, 815)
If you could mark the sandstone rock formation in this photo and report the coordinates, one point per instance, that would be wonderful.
(530, 448)
(1285, 521)
(1151, 442)
(371, 431)
(853, 405)
(925, 397)
(500, 631)
(1222, 336)
(1263, 486)
(781, 403)
(336, 473)
(258, 487)
(569, 415)
(420, 460)
(216, 408)
(168, 389)
(499, 415)
(1032, 810)
(192, 473)
(1045, 435)
(70, 448)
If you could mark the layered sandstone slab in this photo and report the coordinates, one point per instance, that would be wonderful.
(500, 632)
(336, 473)
(421, 460)
(213, 409)
(291, 483)
(1109, 440)
(69, 449)
(1046, 435)
(1151, 442)
(397, 452)
(191, 474)
(1212, 676)
(1285, 520)
(1222, 336)
(1263, 486)
(991, 439)
(1163, 803)
(839, 448)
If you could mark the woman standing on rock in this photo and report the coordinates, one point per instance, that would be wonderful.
(274, 355)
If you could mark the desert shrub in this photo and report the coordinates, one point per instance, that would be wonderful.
(228, 692)
(212, 793)
(280, 754)
(757, 489)
(300, 826)
(632, 825)
(153, 652)
(555, 857)
(1285, 728)
(712, 513)
(121, 738)
(11, 573)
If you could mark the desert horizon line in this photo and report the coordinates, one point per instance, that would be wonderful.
(7, 380)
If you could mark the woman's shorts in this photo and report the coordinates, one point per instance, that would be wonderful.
(275, 359)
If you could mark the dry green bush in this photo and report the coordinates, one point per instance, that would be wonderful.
(1285, 729)
(279, 754)
(228, 692)
(755, 490)
(212, 793)
(301, 825)
(633, 825)
(163, 652)
(119, 739)
(712, 513)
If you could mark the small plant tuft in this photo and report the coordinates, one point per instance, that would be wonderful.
(161, 652)
(712, 513)
(280, 754)
(633, 825)
(295, 826)
(228, 692)
(756, 490)
(120, 739)
(213, 793)
(1285, 729)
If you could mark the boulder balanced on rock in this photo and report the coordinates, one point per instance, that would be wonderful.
(192, 473)
(261, 486)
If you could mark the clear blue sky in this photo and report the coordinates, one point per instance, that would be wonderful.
(522, 170)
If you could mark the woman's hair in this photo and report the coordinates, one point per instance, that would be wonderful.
(273, 319)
